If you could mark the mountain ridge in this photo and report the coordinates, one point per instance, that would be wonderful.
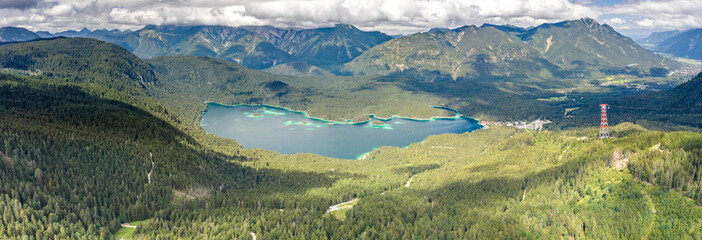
(16, 34)
(573, 48)
(567, 49)
(687, 44)
(678, 43)
(468, 51)
(322, 46)
(256, 47)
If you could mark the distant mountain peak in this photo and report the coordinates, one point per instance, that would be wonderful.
(508, 28)
(588, 20)
(342, 25)
(592, 23)
(438, 30)
(344, 28)
(14, 28)
(583, 22)
(495, 25)
(446, 30)
(465, 27)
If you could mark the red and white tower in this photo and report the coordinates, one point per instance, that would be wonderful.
(604, 127)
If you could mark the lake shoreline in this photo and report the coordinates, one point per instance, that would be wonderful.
(288, 132)
(371, 116)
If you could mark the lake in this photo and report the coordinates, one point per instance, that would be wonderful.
(289, 132)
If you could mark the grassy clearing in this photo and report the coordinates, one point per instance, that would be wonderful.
(689, 61)
(554, 99)
(127, 233)
(339, 211)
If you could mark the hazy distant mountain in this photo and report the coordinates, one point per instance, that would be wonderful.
(256, 47)
(97, 34)
(439, 30)
(322, 46)
(229, 43)
(69, 33)
(656, 38)
(566, 49)
(337, 45)
(14, 34)
(686, 44)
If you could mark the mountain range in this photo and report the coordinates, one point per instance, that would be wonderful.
(565, 49)
(569, 49)
(684, 44)
(256, 47)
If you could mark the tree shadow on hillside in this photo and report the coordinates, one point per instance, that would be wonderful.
(412, 170)
(67, 113)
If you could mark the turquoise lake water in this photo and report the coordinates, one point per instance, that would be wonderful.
(289, 132)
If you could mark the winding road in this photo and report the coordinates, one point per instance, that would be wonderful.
(151, 157)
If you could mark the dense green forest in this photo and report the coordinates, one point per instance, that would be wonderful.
(679, 108)
(92, 137)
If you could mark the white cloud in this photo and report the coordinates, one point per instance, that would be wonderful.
(615, 21)
(58, 10)
(391, 16)
(660, 14)
(417, 14)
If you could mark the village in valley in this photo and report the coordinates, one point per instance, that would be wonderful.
(535, 125)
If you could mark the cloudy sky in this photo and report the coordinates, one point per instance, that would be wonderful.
(631, 17)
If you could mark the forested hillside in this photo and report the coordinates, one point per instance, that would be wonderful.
(190, 81)
(681, 106)
(60, 144)
(298, 69)
(80, 60)
(75, 165)
(91, 136)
